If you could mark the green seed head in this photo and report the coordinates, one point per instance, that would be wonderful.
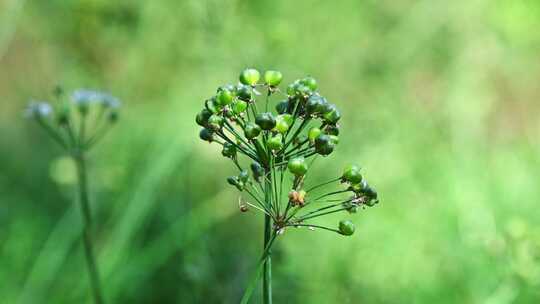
(215, 122)
(273, 78)
(310, 82)
(275, 142)
(202, 117)
(324, 144)
(250, 77)
(313, 133)
(283, 122)
(297, 166)
(239, 106)
(243, 92)
(224, 96)
(229, 150)
(346, 227)
(206, 135)
(352, 174)
(266, 121)
(251, 130)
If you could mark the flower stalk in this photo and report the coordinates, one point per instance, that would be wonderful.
(76, 142)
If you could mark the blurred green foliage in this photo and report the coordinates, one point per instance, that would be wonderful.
(440, 107)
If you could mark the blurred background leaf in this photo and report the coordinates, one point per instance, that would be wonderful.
(440, 104)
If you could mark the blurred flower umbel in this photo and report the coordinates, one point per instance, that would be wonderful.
(280, 147)
(77, 124)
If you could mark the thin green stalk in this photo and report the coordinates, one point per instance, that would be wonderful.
(87, 222)
(267, 267)
(258, 269)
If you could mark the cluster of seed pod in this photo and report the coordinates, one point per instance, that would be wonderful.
(303, 125)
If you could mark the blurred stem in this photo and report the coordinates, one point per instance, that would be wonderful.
(267, 267)
(87, 222)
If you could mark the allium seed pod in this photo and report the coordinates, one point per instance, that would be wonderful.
(206, 135)
(215, 122)
(250, 77)
(251, 130)
(243, 92)
(229, 150)
(313, 133)
(324, 144)
(282, 107)
(224, 96)
(257, 170)
(352, 174)
(310, 82)
(239, 106)
(346, 227)
(202, 117)
(275, 142)
(332, 114)
(266, 121)
(272, 78)
(297, 166)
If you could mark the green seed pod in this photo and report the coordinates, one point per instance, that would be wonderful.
(211, 105)
(215, 122)
(239, 106)
(313, 133)
(332, 114)
(257, 170)
(206, 135)
(352, 174)
(283, 122)
(297, 166)
(282, 107)
(243, 92)
(202, 117)
(229, 150)
(224, 96)
(315, 104)
(331, 130)
(243, 176)
(346, 227)
(232, 180)
(302, 90)
(324, 144)
(310, 82)
(273, 78)
(275, 142)
(266, 121)
(251, 130)
(250, 77)
(291, 88)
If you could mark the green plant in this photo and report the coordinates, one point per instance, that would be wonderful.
(278, 144)
(77, 132)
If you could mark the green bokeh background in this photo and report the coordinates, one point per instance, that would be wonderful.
(440, 103)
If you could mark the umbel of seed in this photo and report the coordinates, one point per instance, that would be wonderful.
(281, 137)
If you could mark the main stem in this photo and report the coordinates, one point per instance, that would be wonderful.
(87, 218)
(267, 267)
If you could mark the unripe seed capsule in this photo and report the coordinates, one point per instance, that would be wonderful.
(273, 78)
(346, 227)
(352, 174)
(266, 121)
(297, 166)
(250, 77)
(251, 130)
